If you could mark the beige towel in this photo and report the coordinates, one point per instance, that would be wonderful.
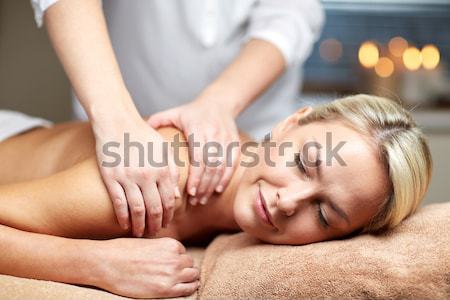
(412, 261)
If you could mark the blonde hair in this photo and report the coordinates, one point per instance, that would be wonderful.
(401, 145)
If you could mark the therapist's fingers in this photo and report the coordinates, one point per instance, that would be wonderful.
(137, 208)
(213, 183)
(154, 208)
(167, 195)
(168, 187)
(214, 166)
(165, 118)
(231, 162)
(119, 202)
(196, 168)
(174, 173)
(205, 181)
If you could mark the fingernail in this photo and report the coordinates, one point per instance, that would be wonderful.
(193, 201)
(219, 189)
(193, 191)
(177, 193)
(203, 200)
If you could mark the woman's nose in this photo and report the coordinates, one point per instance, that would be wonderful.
(289, 199)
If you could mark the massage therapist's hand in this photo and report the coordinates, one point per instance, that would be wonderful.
(145, 268)
(207, 119)
(80, 37)
(139, 190)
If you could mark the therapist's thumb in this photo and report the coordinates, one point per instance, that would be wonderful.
(164, 118)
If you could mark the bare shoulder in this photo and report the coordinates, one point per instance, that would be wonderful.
(178, 143)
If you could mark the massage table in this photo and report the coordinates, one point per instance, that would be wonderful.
(411, 261)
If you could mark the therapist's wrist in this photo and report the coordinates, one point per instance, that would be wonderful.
(111, 111)
(225, 97)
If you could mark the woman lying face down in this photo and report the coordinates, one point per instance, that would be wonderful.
(356, 164)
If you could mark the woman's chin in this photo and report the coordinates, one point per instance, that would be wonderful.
(248, 224)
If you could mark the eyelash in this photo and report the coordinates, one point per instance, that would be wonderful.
(302, 169)
(299, 163)
(321, 217)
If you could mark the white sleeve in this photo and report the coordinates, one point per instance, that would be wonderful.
(291, 25)
(39, 7)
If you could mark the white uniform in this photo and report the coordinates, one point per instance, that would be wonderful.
(13, 123)
(170, 50)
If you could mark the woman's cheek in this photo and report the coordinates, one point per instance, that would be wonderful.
(242, 212)
(302, 230)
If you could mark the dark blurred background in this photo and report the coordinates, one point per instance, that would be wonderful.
(397, 48)
(31, 78)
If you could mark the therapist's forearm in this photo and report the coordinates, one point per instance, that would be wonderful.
(77, 29)
(257, 66)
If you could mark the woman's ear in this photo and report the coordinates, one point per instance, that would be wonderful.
(292, 121)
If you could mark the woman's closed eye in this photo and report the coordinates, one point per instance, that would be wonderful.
(300, 164)
(320, 214)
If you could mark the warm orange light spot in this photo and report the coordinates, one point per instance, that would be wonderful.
(368, 54)
(430, 57)
(397, 46)
(412, 58)
(330, 50)
(385, 67)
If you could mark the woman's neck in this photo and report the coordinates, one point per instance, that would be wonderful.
(217, 214)
(222, 205)
(220, 210)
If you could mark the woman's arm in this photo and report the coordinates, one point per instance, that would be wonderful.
(138, 268)
(75, 203)
(69, 202)
(39, 256)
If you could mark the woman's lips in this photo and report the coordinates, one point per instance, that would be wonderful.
(261, 208)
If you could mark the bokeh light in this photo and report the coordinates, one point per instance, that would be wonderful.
(368, 54)
(430, 57)
(384, 68)
(412, 58)
(330, 50)
(397, 46)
